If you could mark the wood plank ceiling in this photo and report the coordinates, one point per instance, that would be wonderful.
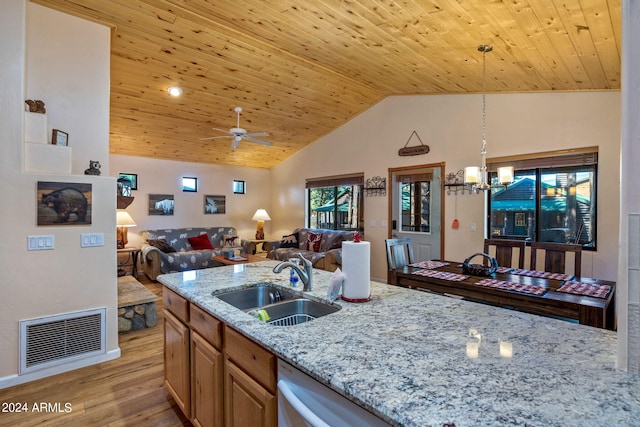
(302, 68)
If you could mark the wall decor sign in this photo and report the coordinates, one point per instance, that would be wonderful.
(160, 204)
(63, 203)
(59, 137)
(413, 150)
(131, 177)
(214, 205)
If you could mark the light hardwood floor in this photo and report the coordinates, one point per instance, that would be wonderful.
(127, 391)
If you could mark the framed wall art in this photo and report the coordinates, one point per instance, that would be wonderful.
(59, 137)
(160, 204)
(214, 205)
(63, 203)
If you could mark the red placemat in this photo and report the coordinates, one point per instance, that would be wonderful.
(510, 286)
(428, 264)
(587, 289)
(454, 277)
(541, 274)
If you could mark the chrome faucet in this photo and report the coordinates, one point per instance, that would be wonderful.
(306, 276)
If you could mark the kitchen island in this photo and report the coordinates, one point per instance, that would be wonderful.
(417, 359)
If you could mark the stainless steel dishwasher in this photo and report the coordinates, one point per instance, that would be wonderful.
(303, 401)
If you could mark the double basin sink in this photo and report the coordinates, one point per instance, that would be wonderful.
(276, 306)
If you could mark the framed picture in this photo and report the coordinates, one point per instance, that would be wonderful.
(214, 205)
(63, 203)
(160, 204)
(59, 138)
(189, 184)
(131, 177)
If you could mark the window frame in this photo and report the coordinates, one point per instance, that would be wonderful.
(540, 163)
(356, 179)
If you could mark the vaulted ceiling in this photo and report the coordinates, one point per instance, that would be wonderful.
(301, 68)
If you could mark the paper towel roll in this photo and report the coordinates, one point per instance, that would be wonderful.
(35, 128)
(356, 269)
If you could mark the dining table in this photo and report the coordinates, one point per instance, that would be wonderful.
(586, 300)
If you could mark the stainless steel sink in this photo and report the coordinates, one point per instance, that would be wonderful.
(296, 311)
(255, 297)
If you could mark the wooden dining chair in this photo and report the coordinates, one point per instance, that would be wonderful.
(503, 251)
(399, 254)
(555, 255)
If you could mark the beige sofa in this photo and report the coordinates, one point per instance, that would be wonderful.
(328, 255)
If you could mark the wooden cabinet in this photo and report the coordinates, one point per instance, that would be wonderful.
(176, 361)
(216, 375)
(206, 382)
(250, 382)
(247, 403)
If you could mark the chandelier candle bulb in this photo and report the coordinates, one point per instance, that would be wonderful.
(356, 269)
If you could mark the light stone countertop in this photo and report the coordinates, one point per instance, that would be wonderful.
(406, 355)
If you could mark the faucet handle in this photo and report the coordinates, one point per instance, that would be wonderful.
(305, 261)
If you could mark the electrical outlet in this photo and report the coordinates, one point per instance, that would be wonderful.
(472, 226)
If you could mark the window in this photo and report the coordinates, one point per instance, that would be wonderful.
(552, 199)
(415, 201)
(336, 203)
(238, 187)
(189, 184)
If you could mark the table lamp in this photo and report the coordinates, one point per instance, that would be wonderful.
(123, 221)
(261, 216)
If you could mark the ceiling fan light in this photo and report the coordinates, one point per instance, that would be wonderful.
(174, 90)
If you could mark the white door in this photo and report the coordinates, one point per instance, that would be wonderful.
(416, 206)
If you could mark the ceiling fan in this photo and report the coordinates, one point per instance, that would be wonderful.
(238, 133)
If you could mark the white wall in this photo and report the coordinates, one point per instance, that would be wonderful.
(74, 83)
(165, 177)
(451, 126)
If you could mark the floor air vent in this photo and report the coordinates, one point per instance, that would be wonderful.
(49, 341)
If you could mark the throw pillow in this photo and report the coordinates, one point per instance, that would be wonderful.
(200, 242)
(313, 241)
(230, 241)
(162, 245)
(290, 241)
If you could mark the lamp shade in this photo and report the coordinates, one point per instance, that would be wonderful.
(472, 175)
(261, 215)
(505, 175)
(123, 219)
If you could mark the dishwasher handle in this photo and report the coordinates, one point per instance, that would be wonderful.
(303, 410)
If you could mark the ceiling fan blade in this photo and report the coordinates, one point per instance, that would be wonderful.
(221, 130)
(259, 141)
(216, 137)
(257, 134)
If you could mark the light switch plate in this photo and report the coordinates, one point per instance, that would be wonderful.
(90, 240)
(40, 243)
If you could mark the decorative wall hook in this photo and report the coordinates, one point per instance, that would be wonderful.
(376, 186)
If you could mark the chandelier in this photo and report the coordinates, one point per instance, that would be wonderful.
(475, 176)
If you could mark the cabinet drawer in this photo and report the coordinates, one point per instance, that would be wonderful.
(176, 304)
(255, 360)
(206, 325)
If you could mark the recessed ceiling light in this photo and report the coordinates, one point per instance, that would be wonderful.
(174, 90)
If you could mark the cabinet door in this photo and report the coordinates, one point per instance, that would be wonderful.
(206, 381)
(247, 403)
(176, 361)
